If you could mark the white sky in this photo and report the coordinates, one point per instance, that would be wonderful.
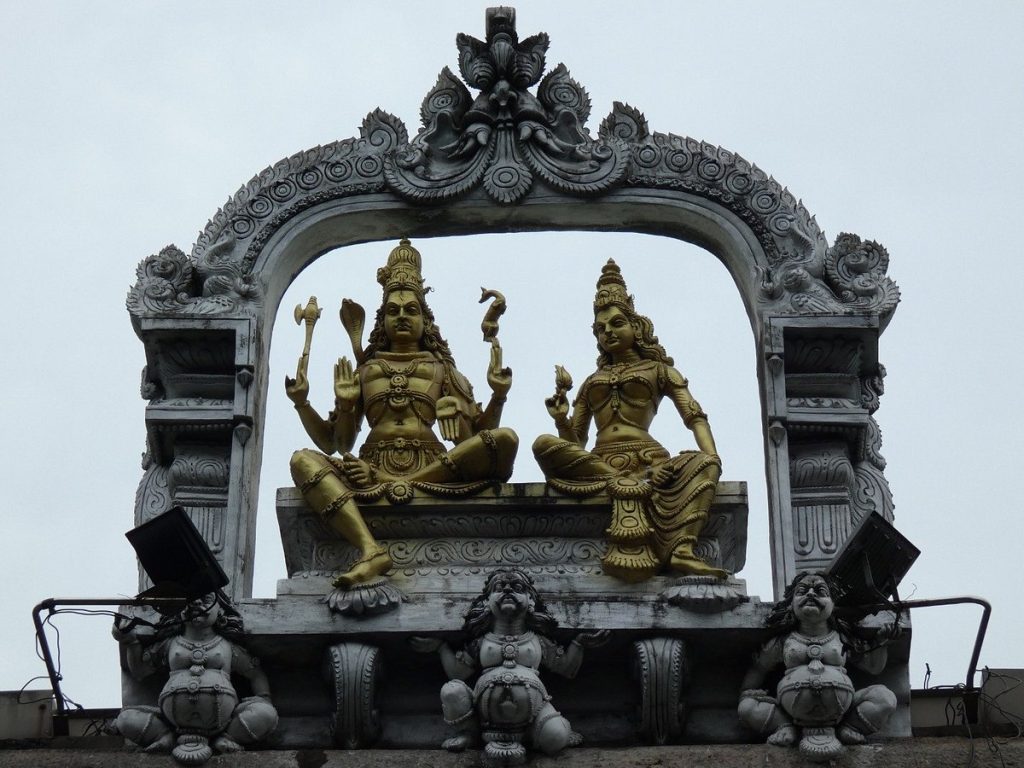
(125, 126)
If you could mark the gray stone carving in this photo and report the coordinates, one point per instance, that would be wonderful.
(705, 594)
(355, 669)
(169, 281)
(508, 707)
(507, 135)
(660, 667)
(816, 705)
(198, 711)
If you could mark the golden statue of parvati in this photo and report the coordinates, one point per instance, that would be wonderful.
(403, 382)
(660, 502)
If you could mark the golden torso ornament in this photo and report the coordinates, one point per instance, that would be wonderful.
(400, 393)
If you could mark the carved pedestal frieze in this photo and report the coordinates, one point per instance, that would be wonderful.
(539, 533)
(355, 671)
(661, 668)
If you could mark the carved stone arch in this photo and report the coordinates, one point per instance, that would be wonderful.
(525, 164)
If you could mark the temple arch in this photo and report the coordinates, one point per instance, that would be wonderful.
(815, 310)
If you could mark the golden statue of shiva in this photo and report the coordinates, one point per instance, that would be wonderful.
(659, 502)
(403, 382)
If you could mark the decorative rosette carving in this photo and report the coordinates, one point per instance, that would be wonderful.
(507, 135)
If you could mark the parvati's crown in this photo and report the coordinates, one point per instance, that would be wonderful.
(403, 270)
(611, 288)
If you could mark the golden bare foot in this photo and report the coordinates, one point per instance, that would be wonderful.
(684, 561)
(375, 563)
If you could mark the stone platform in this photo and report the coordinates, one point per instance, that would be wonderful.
(675, 658)
(448, 546)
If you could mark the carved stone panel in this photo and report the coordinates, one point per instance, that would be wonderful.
(661, 669)
(354, 670)
(527, 526)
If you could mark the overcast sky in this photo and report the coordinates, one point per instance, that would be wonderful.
(126, 125)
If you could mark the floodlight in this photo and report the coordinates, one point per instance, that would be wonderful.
(872, 563)
(175, 557)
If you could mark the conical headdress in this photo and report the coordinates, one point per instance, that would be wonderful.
(403, 270)
(611, 288)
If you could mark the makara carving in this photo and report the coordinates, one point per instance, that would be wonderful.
(198, 711)
(660, 502)
(403, 383)
(815, 703)
(508, 707)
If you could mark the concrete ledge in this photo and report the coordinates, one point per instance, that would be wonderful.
(934, 753)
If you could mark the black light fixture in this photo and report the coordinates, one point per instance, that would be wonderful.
(871, 564)
(174, 555)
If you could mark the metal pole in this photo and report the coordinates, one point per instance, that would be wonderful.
(60, 717)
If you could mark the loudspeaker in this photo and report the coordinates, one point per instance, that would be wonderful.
(175, 557)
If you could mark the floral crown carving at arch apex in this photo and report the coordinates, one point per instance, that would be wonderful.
(522, 132)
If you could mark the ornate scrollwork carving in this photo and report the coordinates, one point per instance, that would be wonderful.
(507, 135)
(170, 281)
(468, 551)
(660, 667)
(199, 469)
(355, 670)
(871, 492)
(856, 269)
(872, 389)
(820, 466)
(833, 354)
(848, 278)
(504, 140)
(154, 493)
